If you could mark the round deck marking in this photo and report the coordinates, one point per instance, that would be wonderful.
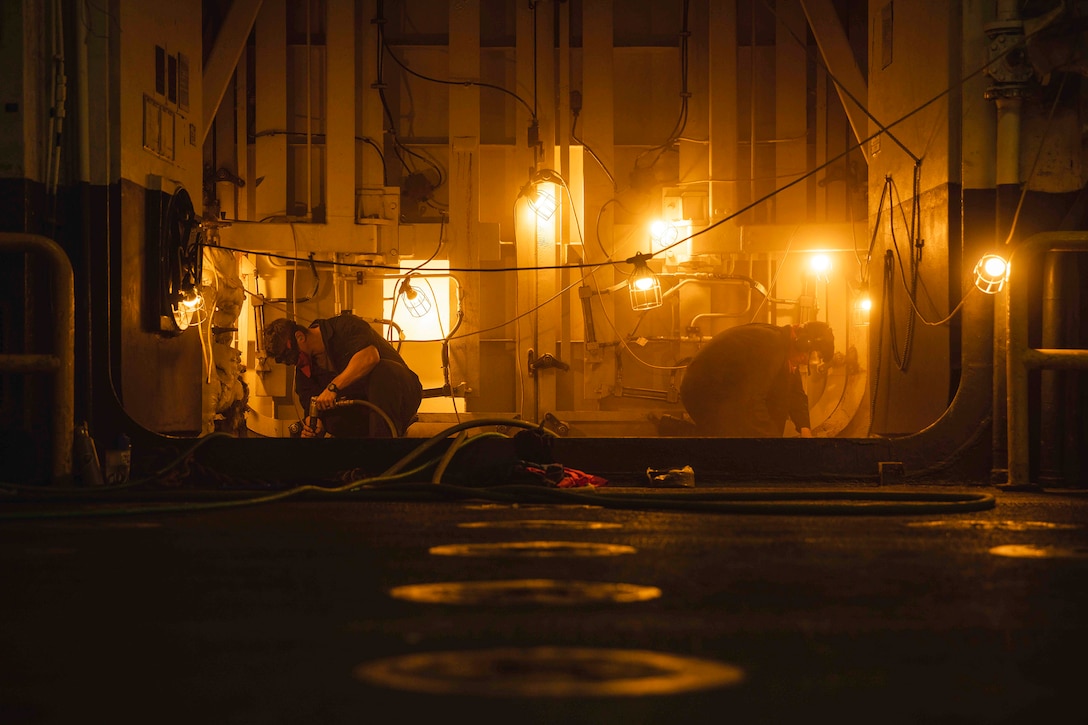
(539, 524)
(1026, 551)
(549, 672)
(527, 506)
(548, 592)
(532, 549)
(993, 525)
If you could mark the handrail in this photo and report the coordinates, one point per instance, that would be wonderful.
(61, 363)
(1020, 357)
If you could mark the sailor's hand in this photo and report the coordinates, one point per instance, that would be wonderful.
(806, 433)
(325, 400)
(312, 427)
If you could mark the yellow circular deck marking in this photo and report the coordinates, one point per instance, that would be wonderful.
(993, 525)
(539, 524)
(549, 672)
(548, 592)
(1025, 551)
(533, 548)
(527, 506)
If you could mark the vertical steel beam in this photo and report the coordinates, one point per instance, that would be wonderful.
(791, 99)
(246, 195)
(369, 109)
(722, 90)
(464, 134)
(340, 145)
(547, 318)
(271, 112)
(597, 130)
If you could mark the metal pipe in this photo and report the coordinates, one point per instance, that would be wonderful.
(63, 355)
(1051, 381)
(1020, 356)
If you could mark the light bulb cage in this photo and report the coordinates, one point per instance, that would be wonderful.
(643, 286)
(543, 202)
(415, 300)
(663, 234)
(988, 279)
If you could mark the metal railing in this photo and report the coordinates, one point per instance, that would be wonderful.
(61, 363)
(1020, 357)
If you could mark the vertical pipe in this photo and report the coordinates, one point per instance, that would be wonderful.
(1050, 427)
(83, 94)
(1074, 424)
(63, 414)
(309, 117)
(1016, 337)
(1008, 191)
(752, 109)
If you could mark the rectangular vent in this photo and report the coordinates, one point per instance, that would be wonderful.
(172, 79)
(183, 82)
(160, 70)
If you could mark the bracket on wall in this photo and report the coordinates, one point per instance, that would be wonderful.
(546, 360)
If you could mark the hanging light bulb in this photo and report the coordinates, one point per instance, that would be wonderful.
(189, 303)
(991, 272)
(862, 306)
(643, 286)
(663, 233)
(543, 202)
(821, 264)
(192, 300)
(415, 299)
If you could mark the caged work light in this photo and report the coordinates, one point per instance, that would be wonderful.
(415, 299)
(643, 286)
(540, 193)
(190, 302)
(663, 234)
(991, 272)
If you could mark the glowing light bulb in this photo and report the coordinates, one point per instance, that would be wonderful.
(663, 233)
(820, 263)
(643, 287)
(995, 266)
(991, 272)
(544, 202)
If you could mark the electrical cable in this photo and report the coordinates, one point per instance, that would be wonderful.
(842, 87)
(313, 269)
(381, 156)
(447, 457)
(444, 434)
(348, 402)
(447, 82)
(776, 503)
(481, 270)
(209, 505)
(1035, 163)
(590, 151)
(398, 147)
(682, 119)
(849, 149)
(132, 483)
